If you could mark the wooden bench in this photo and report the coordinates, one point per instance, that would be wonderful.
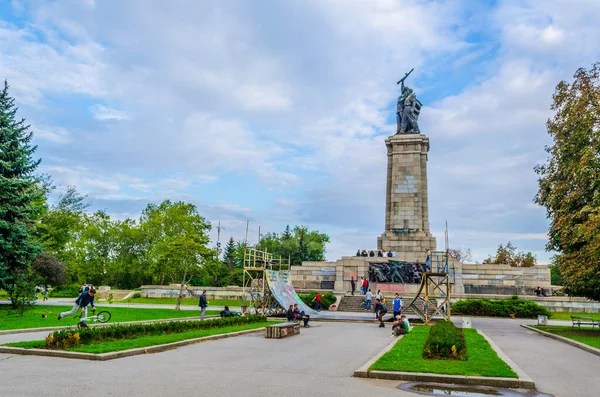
(278, 331)
(580, 320)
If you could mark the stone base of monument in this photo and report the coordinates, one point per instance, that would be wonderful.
(284, 330)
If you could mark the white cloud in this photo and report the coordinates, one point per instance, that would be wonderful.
(297, 100)
(52, 134)
(102, 113)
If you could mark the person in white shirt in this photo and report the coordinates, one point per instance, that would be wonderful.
(369, 298)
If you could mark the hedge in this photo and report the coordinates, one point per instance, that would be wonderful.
(327, 299)
(72, 337)
(512, 307)
(445, 341)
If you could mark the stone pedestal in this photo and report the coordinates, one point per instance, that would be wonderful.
(406, 209)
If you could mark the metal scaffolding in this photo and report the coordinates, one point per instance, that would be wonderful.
(257, 297)
(433, 298)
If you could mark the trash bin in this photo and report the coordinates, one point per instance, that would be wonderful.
(542, 320)
(466, 323)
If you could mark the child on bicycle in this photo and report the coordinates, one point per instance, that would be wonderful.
(86, 298)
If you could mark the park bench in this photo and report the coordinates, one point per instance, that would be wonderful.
(580, 320)
(278, 331)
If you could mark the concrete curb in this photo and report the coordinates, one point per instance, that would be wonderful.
(523, 382)
(122, 353)
(31, 330)
(571, 342)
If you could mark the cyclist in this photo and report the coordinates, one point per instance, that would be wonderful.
(86, 298)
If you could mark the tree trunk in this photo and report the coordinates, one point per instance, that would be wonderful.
(181, 290)
(162, 279)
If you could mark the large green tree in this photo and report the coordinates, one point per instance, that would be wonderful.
(298, 244)
(569, 182)
(178, 238)
(20, 196)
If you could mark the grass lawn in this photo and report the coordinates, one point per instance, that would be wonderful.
(584, 335)
(185, 301)
(407, 356)
(11, 319)
(144, 341)
(567, 315)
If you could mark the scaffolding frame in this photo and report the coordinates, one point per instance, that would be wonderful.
(257, 297)
(433, 297)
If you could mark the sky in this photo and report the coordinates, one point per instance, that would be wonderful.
(276, 112)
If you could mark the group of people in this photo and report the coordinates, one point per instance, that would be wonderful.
(539, 291)
(371, 253)
(295, 314)
(85, 299)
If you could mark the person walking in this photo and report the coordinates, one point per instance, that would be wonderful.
(45, 294)
(368, 296)
(352, 285)
(317, 300)
(203, 304)
(397, 306)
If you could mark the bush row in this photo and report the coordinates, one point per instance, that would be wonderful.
(513, 307)
(72, 337)
(327, 299)
(445, 341)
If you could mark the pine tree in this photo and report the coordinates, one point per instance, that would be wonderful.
(20, 197)
(229, 253)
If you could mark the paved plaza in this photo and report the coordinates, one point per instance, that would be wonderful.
(320, 361)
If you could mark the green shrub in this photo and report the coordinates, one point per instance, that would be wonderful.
(327, 299)
(513, 306)
(445, 341)
(66, 291)
(67, 338)
(137, 289)
(137, 295)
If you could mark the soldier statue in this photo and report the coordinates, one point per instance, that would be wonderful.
(408, 109)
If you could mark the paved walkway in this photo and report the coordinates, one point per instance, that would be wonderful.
(556, 367)
(318, 362)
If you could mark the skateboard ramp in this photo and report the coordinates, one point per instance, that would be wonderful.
(282, 289)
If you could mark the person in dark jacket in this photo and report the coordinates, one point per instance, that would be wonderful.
(353, 284)
(301, 315)
(82, 302)
(203, 304)
(226, 312)
(381, 310)
(290, 313)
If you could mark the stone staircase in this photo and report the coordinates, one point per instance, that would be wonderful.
(351, 303)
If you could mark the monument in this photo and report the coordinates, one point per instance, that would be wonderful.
(407, 234)
(406, 204)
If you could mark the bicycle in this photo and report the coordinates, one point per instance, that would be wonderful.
(101, 317)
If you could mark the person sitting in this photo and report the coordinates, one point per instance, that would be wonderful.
(379, 254)
(364, 253)
(358, 253)
(226, 312)
(289, 315)
(389, 254)
(543, 292)
(371, 253)
(301, 315)
(538, 291)
(398, 327)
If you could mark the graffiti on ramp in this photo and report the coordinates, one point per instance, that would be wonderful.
(282, 289)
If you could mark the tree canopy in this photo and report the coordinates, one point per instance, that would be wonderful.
(569, 182)
(508, 255)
